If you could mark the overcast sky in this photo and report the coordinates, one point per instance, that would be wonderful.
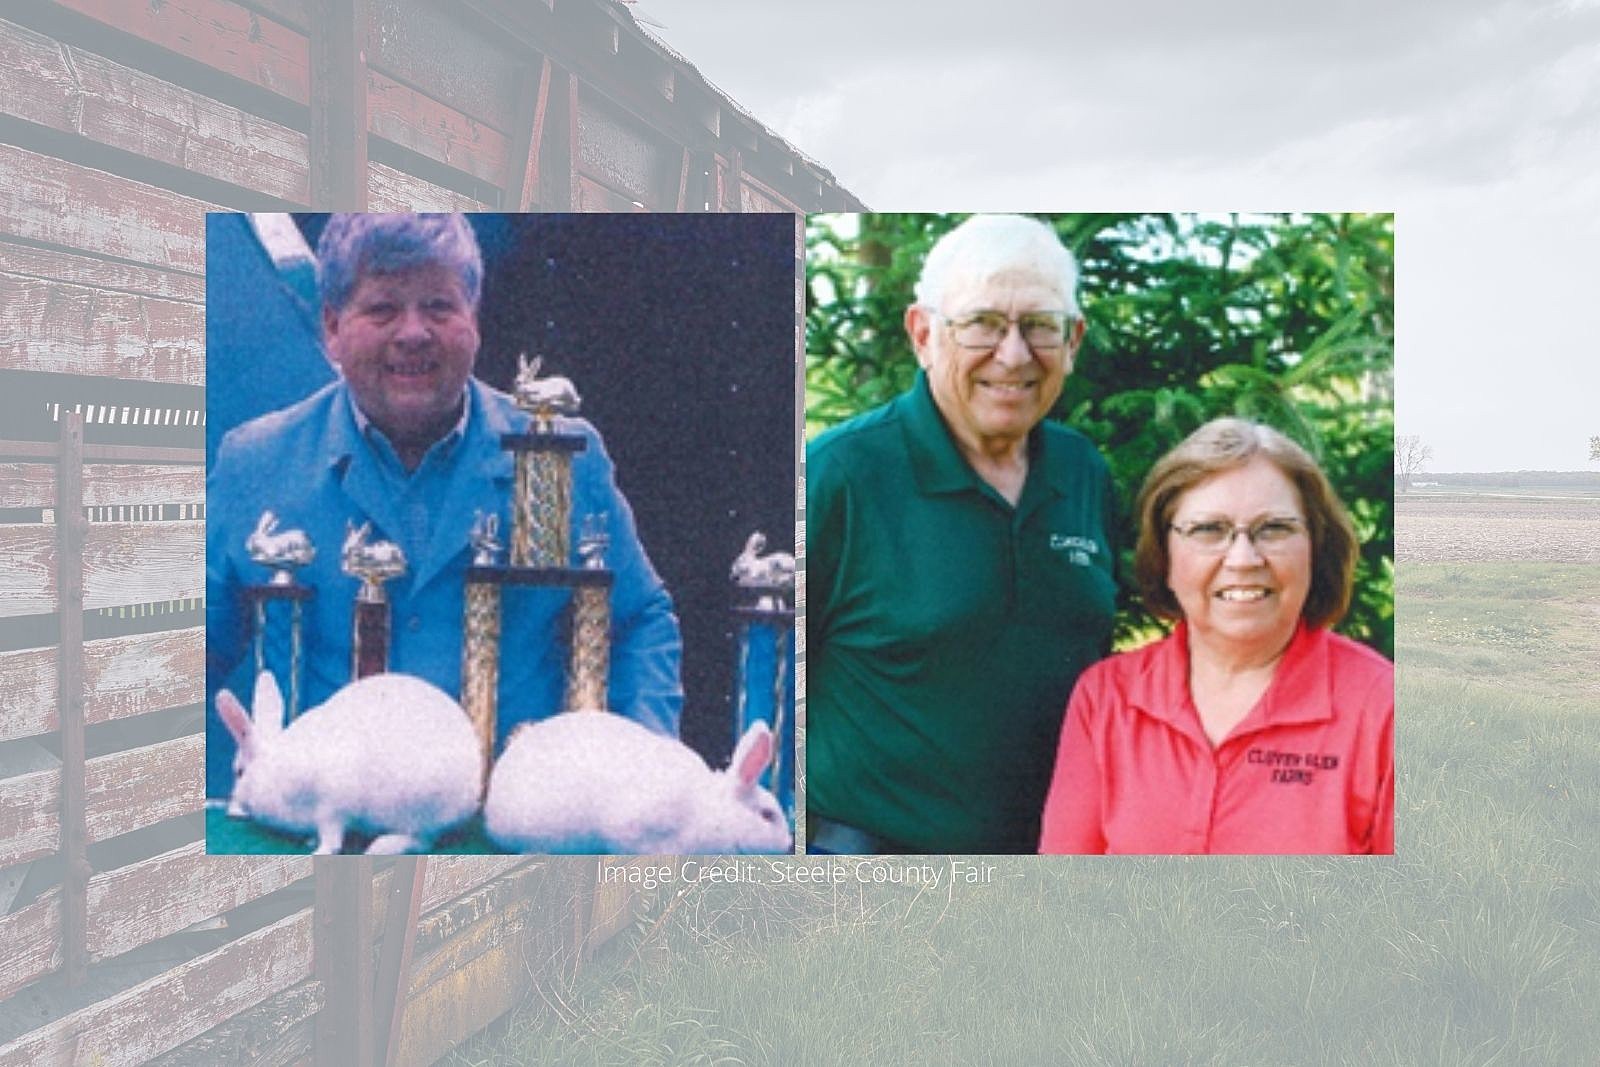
(1476, 122)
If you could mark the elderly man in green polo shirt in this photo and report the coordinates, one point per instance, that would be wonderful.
(959, 564)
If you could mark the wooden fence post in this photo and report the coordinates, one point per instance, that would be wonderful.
(70, 530)
(394, 959)
(343, 961)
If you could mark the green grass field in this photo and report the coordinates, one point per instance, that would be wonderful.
(1477, 944)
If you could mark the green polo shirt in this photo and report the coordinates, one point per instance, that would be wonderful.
(945, 628)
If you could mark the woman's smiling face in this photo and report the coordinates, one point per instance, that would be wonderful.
(1241, 600)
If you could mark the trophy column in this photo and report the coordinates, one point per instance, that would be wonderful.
(589, 668)
(282, 552)
(373, 564)
(540, 555)
(764, 622)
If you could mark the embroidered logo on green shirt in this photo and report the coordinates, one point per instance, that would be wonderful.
(1080, 550)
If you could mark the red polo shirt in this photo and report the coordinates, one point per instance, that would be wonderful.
(1309, 770)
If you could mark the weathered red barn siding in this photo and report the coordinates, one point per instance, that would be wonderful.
(120, 125)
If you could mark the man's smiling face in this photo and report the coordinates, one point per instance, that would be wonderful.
(992, 398)
(406, 343)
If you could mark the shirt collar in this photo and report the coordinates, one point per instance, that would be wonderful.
(368, 431)
(936, 462)
(1301, 689)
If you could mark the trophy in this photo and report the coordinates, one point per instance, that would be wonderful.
(540, 555)
(373, 563)
(282, 553)
(764, 616)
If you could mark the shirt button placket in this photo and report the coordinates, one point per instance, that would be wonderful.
(1206, 800)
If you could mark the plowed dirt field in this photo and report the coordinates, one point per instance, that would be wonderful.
(1487, 527)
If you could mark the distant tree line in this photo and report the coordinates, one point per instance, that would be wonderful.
(1520, 479)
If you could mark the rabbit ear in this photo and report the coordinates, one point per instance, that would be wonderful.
(752, 756)
(235, 718)
(267, 706)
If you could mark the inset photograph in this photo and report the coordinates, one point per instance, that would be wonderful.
(499, 519)
(1099, 534)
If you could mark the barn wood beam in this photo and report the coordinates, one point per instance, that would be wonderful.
(394, 957)
(70, 530)
(533, 101)
(342, 960)
(338, 135)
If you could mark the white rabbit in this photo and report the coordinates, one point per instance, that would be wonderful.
(389, 755)
(586, 781)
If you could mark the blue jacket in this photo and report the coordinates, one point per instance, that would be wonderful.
(310, 465)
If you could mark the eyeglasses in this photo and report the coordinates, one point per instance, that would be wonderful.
(1270, 536)
(986, 329)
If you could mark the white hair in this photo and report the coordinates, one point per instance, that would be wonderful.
(986, 245)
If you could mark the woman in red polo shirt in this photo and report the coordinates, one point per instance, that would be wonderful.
(1252, 728)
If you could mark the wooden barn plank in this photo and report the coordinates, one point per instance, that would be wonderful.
(123, 677)
(441, 947)
(27, 559)
(56, 265)
(755, 196)
(620, 152)
(275, 1033)
(75, 329)
(451, 876)
(474, 994)
(32, 485)
(434, 48)
(592, 196)
(393, 190)
(124, 563)
(218, 33)
(30, 816)
(135, 905)
(416, 121)
(27, 485)
(32, 938)
(66, 88)
(141, 563)
(123, 791)
(162, 1013)
(143, 786)
(61, 203)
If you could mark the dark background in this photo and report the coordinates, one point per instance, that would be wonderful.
(679, 332)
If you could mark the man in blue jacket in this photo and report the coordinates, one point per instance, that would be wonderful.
(409, 440)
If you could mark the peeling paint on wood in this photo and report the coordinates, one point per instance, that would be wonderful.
(144, 786)
(32, 938)
(274, 1033)
(56, 265)
(416, 121)
(124, 563)
(451, 876)
(392, 190)
(66, 88)
(224, 36)
(124, 791)
(135, 905)
(74, 329)
(61, 203)
(169, 1009)
(32, 485)
(123, 677)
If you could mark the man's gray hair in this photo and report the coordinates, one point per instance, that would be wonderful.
(986, 245)
(356, 244)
